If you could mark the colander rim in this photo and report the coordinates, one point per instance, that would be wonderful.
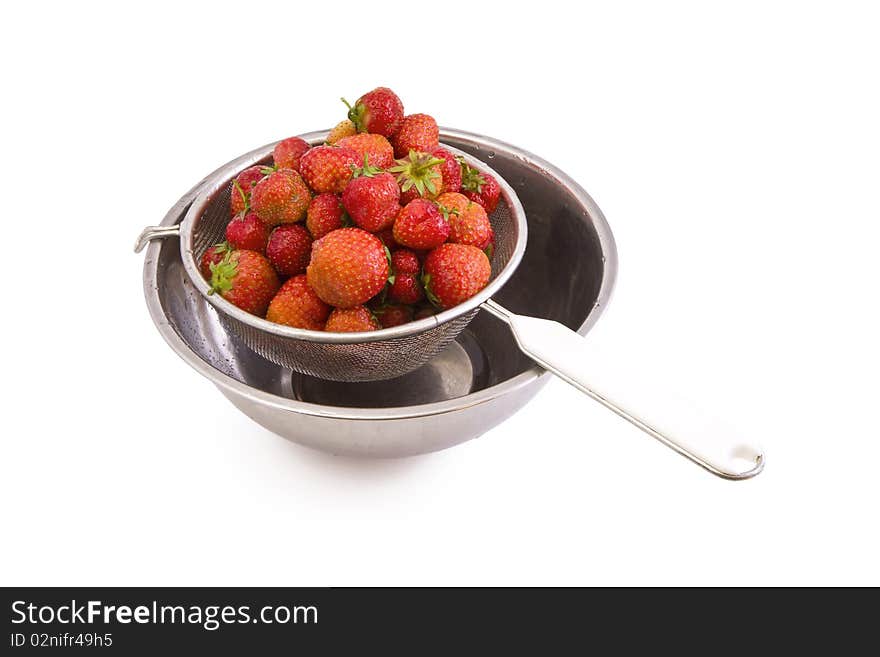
(216, 181)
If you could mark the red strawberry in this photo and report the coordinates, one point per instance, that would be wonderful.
(288, 152)
(351, 320)
(376, 150)
(424, 311)
(348, 267)
(212, 256)
(247, 231)
(455, 273)
(404, 261)
(328, 168)
(289, 249)
(406, 289)
(451, 169)
(281, 198)
(480, 187)
(379, 111)
(297, 305)
(419, 225)
(387, 237)
(468, 221)
(372, 200)
(246, 279)
(393, 315)
(325, 213)
(342, 129)
(419, 174)
(488, 247)
(243, 185)
(418, 132)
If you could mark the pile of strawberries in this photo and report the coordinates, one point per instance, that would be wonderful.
(377, 227)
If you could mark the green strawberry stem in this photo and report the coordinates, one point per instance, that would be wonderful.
(356, 114)
(426, 283)
(244, 197)
(471, 180)
(367, 170)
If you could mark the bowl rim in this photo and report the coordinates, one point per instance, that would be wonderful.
(217, 182)
(229, 384)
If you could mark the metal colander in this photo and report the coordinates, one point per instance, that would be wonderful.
(366, 356)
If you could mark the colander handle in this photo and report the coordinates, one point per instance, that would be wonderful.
(670, 419)
(155, 232)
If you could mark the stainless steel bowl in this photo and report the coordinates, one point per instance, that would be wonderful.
(482, 378)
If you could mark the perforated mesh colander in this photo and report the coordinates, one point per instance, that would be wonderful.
(367, 356)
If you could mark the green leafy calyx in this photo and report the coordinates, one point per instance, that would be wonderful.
(223, 274)
(417, 170)
(367, 170)
(471, 179)
(356, 115)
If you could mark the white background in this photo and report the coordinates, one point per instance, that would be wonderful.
(736, 154)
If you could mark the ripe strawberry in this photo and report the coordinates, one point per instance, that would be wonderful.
(247, 231)
(342, 129)
(424, 311)
(480, 187)
(468, 221)
(406, 289)
(245, 279)
(325, 213)
(488, 247)
(387, 237)
(455, 273)
(451, 169)
(243, 185)
(288, 152)
(348, 267)
(212, 256)
(419, 175)
(376, 150)
(328, 168)
(289, 249)
(404, 261)
(419, 225)
(393, 314)
(281, 198)
(297, 305)
(372, 200)
(378, 111)
(351, 320)
(418, 132)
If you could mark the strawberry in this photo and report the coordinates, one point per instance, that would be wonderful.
(351, 320)
(455, 273)
(342, 129)
(480, 187)
(393, 315)
(419, 225)
(289, 249)
(424, 311)
(212, 256)
(418, 132)
(387, 237)
(488, 247)
(418, 174)
(245, 279)
(328, 168)
(297, 305)
(378, 111)
(348, 267)
(243, 185)
(288, 151)
(372, 199)
(325, 213)
(451, 169)
(406, 289)
(281, 197)
(376, 150)
(247, 231)
(404, 261)
(468, 221)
